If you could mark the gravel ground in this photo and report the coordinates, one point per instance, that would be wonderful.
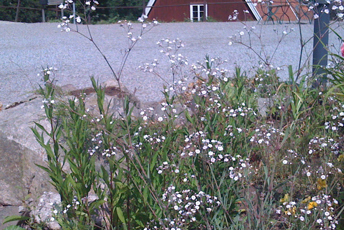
(26, 48)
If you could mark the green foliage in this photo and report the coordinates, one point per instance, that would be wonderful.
(120, 9)
(211, 19)
(210, 161)
(15, 218)
(13, 227)
(31, 11)
(7, 14)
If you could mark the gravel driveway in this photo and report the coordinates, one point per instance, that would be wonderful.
(27, 48)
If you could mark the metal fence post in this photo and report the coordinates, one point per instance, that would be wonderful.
(74, 12)
(320, 42)
(43, 14)
(17, 11)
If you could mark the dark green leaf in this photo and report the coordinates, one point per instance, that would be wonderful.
(14, 218)
(14, 227)
(120, 214)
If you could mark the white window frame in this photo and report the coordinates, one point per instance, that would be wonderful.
(199, 18)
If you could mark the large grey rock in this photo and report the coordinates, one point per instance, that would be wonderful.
(20, 152)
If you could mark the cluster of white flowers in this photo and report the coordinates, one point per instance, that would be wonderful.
(154, 139)
(291, 157)
(317, 145)
(64, 26)
(168, 168)
(149, 67)
(59, 210)
(336, 123)
(211, 149)
(150, 114)
(237, 172)
(265, 134)
(47, 102)
(320, 207)
(186, 204)
(210, 66)
(97, 147)
(337, 8)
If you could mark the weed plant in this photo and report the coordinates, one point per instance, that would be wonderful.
(211, 160)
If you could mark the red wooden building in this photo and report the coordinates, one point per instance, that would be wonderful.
(220, 10)
(197, 10)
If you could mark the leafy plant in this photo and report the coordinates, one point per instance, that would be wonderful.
(206, 158)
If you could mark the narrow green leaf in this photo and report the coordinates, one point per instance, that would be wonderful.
(44, 168)
(41, 127)
(120, 214)
(14, 218)
(145, 193)
(188, 117)
(96, 204)
(291, 74)
(105, 176)
(153, 162)
(14, 227)
(139, 222)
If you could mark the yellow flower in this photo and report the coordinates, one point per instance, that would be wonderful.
(341, 157)
(306, 200)
(321, 184)
(290, 211)
(241, 210)
(312, 205)
(285, 198)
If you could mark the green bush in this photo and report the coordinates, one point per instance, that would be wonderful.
(210, 162)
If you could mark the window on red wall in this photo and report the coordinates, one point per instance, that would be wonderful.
(197, 12)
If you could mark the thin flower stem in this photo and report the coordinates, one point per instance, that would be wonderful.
(99, 50)
(259, 56)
